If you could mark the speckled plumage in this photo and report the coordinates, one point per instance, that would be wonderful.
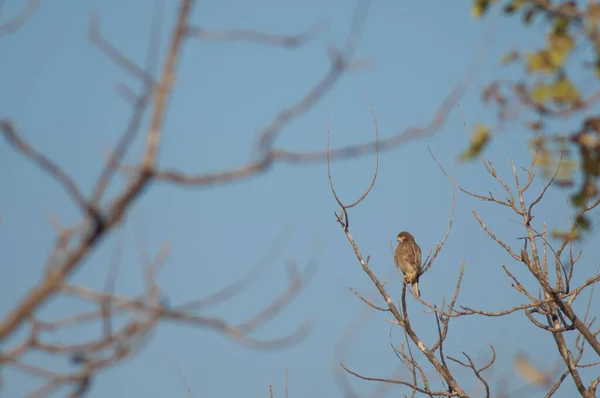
(408, 260)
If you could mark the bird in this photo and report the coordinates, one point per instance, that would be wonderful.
(408, 259)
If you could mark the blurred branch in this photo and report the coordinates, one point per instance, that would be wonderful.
(10, 133)
(73, 257)
(17, 22)
(268, 155)
(255, 36)
(404, 383)
(477, 371)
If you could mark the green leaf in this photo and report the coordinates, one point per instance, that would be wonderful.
(588, 190)
(568, 236)
(528, 15)
(561, 24)
(513, 7)
(480, 139)
(583, 223)
(590, 163)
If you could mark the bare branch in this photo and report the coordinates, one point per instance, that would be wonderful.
(402, 319)
(404, 383)
(557, 385)
(370, 304)
(186, 383)
(235, 333)
(469, 311)
(553, 178)
(255, 36)
(73, 258)
(163, 90)
(140, 103)
(115, 55)
(245, 281)
(477, 371)
(340, 349)
(269, 155)
(438, 248)
(296, 284)
(364, 195)
(17, 22)
(494, 237)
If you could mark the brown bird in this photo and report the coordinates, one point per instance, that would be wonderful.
(408, 259)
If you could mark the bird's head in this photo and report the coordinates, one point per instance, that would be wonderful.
(405, 237)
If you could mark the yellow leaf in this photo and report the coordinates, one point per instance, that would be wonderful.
(479, 8)
(478, 142)
(563, 91)
(593, 16)
(541, 93)
(539, 62)
(567, 236)
(559, 47)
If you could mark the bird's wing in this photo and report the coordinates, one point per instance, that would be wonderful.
(398, 255)
(417, 254)
(413, 254)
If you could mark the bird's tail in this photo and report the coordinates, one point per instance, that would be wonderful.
(416, 291)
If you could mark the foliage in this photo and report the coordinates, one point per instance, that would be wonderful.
(479, 141)
(548, 86)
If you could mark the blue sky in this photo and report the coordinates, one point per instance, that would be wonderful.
(60, 92)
